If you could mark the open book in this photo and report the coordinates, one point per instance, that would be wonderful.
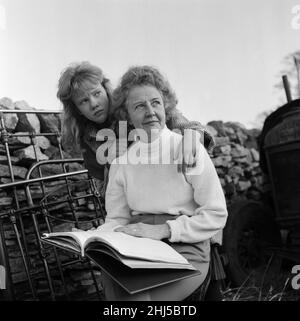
(135, 263)
(135, 252)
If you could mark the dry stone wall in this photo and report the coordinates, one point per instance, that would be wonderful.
(22, 155)
(236, 159)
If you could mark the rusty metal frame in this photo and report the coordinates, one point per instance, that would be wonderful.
(42, 209)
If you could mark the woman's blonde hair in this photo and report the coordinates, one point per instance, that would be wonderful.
(73, 80)
(138, 76)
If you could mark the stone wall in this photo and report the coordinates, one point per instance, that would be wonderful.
(235, 157)
(78, 276)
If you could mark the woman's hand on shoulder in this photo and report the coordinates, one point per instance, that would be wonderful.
(189, 149)
(156, 232)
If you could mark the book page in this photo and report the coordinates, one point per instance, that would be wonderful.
(134, 263)
(64, 244)
(79, 236)
(138, 247)
(127, 245)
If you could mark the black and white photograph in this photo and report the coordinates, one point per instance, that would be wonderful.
(149, 151)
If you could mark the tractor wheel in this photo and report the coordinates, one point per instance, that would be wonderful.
(249, 236)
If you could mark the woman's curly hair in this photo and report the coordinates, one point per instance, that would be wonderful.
(73, 80)
(137, 76)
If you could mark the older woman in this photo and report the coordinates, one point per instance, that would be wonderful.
(149, 197)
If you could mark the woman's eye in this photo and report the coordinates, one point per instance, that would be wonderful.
(97, 93)
(84, 101)
(156, 102)
(139, 107)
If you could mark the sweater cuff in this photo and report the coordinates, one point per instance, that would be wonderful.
(175, 231)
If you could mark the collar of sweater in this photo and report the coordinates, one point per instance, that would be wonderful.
(161, 148)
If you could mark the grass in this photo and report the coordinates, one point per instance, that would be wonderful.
(276, 288)
(253, 293)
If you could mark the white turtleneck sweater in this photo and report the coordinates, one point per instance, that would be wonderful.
(136, 187)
